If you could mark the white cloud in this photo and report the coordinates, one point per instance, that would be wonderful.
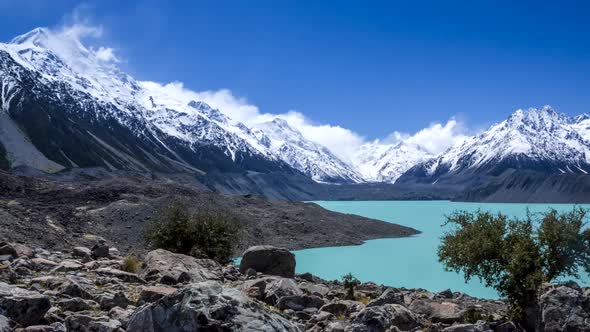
(106, 54)
(79, 31)
(435, 138)
(343, 142)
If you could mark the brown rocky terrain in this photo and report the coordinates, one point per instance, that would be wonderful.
(63, 214)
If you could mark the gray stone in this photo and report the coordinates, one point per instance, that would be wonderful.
(99, 250)
(447, 294)
(390, 296)
(336, 308)
(300, 302)
(109, 301)
(154, 293)
(114, 253)
(445, 312)
(314, 289)
(564, 309)
(120, 314)
(67, 265)
(207, 306)
(479, 327)
(125, 276)
(42, 264)
(82, 252)
(271, 289)
(171, 268)
(269, 260)
(23, 306)
(72, 288)
(381, 318)
(74, 304)
(86, 323)
(4, 324)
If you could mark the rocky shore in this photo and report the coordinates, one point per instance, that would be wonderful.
(59, 215)
(87, 289)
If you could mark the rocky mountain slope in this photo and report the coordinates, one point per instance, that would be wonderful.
(63, 106)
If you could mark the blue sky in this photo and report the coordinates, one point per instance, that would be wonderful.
(374, 67)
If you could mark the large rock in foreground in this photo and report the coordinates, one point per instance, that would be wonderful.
(206, 306)
(170, 268)
(269, 260)
(565, 308)
(22, 306)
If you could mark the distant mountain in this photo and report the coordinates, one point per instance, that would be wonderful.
(377, 162)
(542, 141)
(313, 159)
(63, 107)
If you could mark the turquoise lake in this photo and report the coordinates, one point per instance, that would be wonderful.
(405, 262)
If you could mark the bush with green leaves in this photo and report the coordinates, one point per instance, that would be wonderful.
(350, 282)
(516, 256)
(202, 234)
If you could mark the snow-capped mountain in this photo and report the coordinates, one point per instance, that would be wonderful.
(541, 140)
(377, 162)
(63, 106)
(313, 159)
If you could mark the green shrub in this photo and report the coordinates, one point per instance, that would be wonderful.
(203, 234)
(516, 256)
(131, 264)
(350, 282)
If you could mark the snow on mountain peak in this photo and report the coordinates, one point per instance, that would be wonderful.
(37, 37)
(543, 136)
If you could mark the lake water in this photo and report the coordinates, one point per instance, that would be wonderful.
(406, 262)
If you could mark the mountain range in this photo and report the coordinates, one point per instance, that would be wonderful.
(63, 108)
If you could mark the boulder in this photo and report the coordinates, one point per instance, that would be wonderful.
(390, 296)
(85, 323)
(22, 251)
(120, 314)
(445, 312)
(72, 288)
(42, 264)
(74, 304)
(82, 252)
(99, 250)
(170, 268)
(269, 260)
(154, 293)
(378, 319)
(4, 324)
(22, 306)
(300, 302)
(109, 301)
(335, 308)
(7, 249)
(271, 289)
(206, 306)
(315, 289)
(564, 308)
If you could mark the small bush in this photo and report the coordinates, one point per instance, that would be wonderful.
(350, 282)
(131, 264)
(204, 234)
(472, 315)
